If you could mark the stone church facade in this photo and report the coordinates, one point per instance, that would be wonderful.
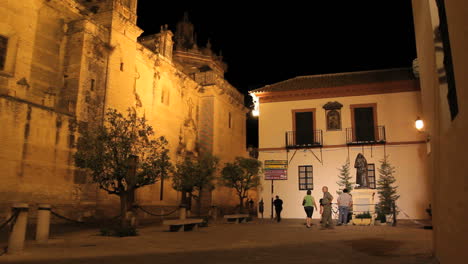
(63, 62)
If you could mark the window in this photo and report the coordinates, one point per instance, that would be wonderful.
(364, 122)
(3, 51)
(306, 178)
(371, 175)
(303, 125)
(165, 95)
(230, 120)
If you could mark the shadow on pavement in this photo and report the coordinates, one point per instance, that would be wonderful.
(351, 251)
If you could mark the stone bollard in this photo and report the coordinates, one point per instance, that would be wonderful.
(18, 234)
(43, 223)
(182, 213)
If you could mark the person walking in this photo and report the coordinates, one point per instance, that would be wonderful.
(309, 203)
(327, 209)
(260, 207)
(278, 203)
(344, 203)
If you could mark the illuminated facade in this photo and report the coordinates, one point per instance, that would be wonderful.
(315, 123)
(64, 61)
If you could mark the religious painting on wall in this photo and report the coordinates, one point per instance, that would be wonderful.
(333, 115)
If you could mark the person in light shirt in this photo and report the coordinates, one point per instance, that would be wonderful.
(345, 201)
(309, 203)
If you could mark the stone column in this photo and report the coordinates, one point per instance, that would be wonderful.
(18, 234)
(43, 223)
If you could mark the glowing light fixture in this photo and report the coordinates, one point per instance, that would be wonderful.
(256, 105)
(419, 124)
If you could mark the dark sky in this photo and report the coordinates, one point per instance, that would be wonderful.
(267, 43)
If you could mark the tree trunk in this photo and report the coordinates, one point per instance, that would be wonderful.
(183, 201)
(123, 209)
(241, 205)
(126, 207)
(199, 201)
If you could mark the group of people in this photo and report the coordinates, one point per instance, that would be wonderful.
(344, 201)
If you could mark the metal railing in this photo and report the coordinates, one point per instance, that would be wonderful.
(355, 138)
(314, 139)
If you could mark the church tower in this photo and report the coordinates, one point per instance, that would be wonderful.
(193, 58)
(185, 36)
(118, 18)
(104, 10)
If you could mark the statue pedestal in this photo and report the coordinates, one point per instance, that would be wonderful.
(363, 201)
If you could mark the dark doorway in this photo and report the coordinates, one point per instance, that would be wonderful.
(304, 128)
(364, 127)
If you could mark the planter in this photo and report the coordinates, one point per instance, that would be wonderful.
(362, 221)
(389, 218)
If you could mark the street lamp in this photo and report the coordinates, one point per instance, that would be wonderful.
(256, 105)
(419, 124)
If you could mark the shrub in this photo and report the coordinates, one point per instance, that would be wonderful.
(363, 215)
(118, 231)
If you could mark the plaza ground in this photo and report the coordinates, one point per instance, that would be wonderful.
(259, 241)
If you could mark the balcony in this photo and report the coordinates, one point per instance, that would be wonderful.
(357, 136)
(304, 140)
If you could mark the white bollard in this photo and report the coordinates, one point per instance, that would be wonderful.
(18, 234)
(182, 213)
(43, 223)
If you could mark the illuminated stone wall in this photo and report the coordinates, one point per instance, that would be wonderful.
(66, 62)
(448, 162)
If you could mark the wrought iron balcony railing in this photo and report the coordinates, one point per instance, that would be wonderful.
(304, 140)
(359, 136)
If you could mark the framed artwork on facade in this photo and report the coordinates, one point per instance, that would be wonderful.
(333, 119)
(333, 115)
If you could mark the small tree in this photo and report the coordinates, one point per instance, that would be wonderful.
(123, 155)
(242, 175)
(345, 178)
(193, 175)
(386, 188)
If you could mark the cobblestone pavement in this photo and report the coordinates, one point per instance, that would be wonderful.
(254, 242)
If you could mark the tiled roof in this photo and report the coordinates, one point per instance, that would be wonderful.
(338, 79)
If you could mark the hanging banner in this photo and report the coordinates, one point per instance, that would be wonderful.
(276, 169)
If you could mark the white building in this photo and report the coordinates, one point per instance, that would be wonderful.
(315, 123)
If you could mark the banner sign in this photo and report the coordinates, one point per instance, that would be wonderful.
(276, 169)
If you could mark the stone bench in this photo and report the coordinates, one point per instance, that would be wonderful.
(183, 224)
(237, 218)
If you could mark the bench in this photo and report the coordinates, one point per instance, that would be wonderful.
(237, 218)
(183, 224)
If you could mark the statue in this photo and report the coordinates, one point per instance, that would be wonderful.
(361, 171)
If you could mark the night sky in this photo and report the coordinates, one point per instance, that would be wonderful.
(264, 44)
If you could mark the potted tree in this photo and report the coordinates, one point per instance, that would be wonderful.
(387, 191)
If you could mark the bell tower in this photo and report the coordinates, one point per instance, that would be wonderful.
(103, 9)
(185, 35)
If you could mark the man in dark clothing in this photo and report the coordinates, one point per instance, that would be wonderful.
(260, 207)
(278, 203)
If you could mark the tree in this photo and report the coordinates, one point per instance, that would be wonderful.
(122, 156)
(241, 175)
(193, 175)
(386, 188)
(345, 178)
